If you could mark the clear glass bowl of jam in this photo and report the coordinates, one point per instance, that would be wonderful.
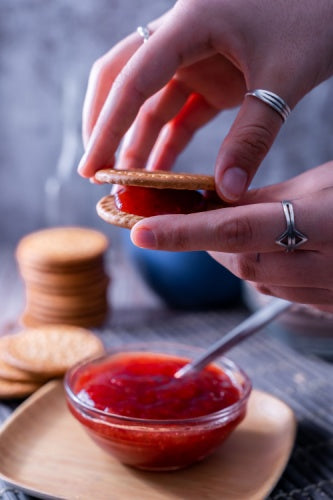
(132, 406)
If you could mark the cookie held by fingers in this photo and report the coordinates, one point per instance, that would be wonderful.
(148, 193)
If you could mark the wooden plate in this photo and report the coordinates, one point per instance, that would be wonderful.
(45, 452)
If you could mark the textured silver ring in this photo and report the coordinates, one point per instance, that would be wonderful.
(144, 32)
(273, 100)
(291, 238)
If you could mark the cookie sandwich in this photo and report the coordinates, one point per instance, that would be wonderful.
(147, 193)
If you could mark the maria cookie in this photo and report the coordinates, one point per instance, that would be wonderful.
(50, 350)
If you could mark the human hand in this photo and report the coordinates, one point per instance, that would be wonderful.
(242, 238)
(199, 60)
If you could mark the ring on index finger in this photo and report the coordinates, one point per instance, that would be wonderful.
(291, 238)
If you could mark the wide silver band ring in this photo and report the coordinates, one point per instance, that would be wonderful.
(273, 100)
(291, 238)
(144, 32)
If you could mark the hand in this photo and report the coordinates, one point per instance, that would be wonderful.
(242, 238)
(199, 60)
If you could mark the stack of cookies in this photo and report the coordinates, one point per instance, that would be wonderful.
(33, 356)
(64, 275)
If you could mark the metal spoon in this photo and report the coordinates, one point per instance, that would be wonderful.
(249, 326)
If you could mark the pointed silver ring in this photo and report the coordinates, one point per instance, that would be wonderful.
(291, 238)
(144, 32)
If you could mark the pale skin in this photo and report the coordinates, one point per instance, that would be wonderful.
(242, 238)
(200, 59)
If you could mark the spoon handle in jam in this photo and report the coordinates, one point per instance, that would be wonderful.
(249, 326)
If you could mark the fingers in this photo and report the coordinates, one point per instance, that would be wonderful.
(311, 295)
(103, 74)
(226, 230)
(179, 132)
(101, 78)
(303, 277)
(153, 115)
(273, 270)
(244, 148)
(242, 229)
(140, 78)
(313, 180)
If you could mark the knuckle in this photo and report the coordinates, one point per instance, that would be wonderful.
(260, 287)
(135, 82)
(235, 234)
(128, 83)
(151, 118)
(184, 129)
(257, 139)
(246, 268)
(178, 239)
(131, 155)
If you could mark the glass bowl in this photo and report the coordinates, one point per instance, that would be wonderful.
(157, 444)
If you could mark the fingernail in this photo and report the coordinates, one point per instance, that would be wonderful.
(233, 183)
(144, 238)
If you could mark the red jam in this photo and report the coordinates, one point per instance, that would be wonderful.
(149, 201)
(143, 386)
(140, 385)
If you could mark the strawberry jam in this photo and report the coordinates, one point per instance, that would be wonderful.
(143, 386)
(132, 405)
(149, 201)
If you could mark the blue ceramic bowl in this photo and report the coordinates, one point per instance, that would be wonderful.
(186, 280)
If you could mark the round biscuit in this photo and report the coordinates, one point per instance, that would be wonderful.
(52, 311)
(59, 268)
(67, 288)
(12, 373)
(66, 302)
(159, 179)
(107, 211)
(65, 246)
(51, 349)
(33, 320)
(68, 280)
(14, 389)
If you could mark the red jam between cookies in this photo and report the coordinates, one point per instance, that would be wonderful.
(147, 202)
(143, 386)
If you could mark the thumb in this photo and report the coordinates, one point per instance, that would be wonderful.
(247, 143)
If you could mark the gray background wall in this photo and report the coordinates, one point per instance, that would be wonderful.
(46, 50)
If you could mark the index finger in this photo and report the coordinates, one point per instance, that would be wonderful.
(141, 77)
(102, 75)
(242, 229)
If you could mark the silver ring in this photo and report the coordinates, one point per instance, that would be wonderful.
(144, 32)
(291, 238)
(273, 100)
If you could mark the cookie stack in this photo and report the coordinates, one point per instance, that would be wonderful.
(64, 275)
(33, 356)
